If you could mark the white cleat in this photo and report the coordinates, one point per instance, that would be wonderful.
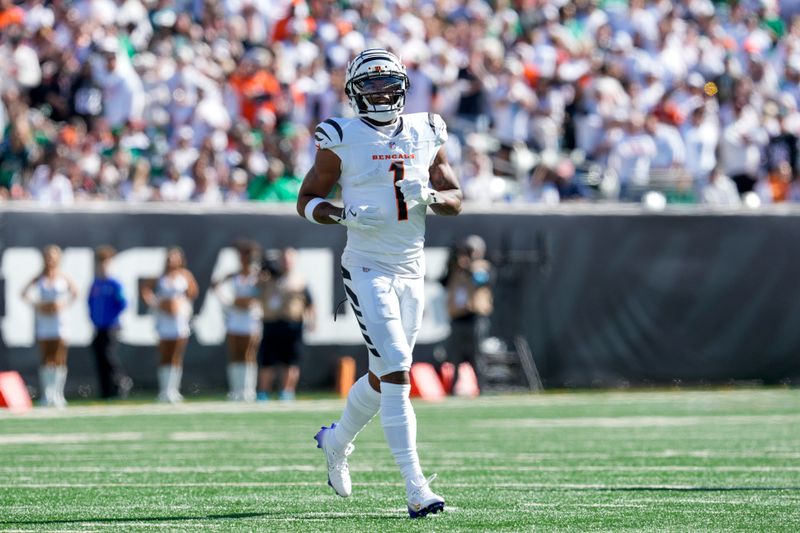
(338, 470)
(422, 501)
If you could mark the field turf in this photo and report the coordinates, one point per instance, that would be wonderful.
(718, 460)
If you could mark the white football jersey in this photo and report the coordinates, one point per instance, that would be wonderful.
(373, 159)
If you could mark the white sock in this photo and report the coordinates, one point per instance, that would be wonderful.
(60, 382)
(241, 376)
(46, 382)
(400, 427)
(250, 379)
(163, 380)
(233, 389)
(176, 372)
(363, 403)
(235, 379)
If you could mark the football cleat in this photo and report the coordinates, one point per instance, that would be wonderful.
(422, 501)
(338, 469)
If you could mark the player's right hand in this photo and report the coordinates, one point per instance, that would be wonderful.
(360, 217)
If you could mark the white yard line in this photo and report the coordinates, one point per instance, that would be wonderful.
(443, 468)
(159, 469)
(648, 503)
(662, 454)
(625, 422)
(631, 421)
(550, 505)
(700, 400)
(241, 484)
(200, 436)
(68, 438)
(513, 485)
(220, 407)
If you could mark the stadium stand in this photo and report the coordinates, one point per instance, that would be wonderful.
(550, 101)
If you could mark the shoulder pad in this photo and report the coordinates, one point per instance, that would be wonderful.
(328, 134)
(438, 127)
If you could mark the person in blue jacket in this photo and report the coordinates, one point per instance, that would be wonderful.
(106, 303)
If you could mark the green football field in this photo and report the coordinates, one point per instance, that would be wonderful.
(721, 460)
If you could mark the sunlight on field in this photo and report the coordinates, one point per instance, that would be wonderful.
(694, 460)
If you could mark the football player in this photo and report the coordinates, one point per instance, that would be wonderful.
(391, 168)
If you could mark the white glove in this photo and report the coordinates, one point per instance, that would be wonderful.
(417, 192)
(360, 217)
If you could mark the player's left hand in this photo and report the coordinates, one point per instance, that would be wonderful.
(417, 191)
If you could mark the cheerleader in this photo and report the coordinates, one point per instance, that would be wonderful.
(54, 292)
(171, 299)
(243, 324)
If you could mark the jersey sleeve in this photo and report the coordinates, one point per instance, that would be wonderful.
(439, 128)
(328, 135)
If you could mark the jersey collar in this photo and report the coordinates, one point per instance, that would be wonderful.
(383, 130)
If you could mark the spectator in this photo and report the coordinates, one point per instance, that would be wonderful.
(701, 138)
(513, 101)
(185, 154)
(25, 61)
(631, 157)
(10, 15)
(469, 302)
(205, 187)
(177, 187)
(255, 87)
(550, 78)
(741, 145)
(237, 189)
(106, 303)
(17, 152)
(776, 188)
(472, 103)
(137, 188)
(421, 93)
(548, 115)
(670, 149)
(541, 188)
(276, 185)
(54, 293)
(48, 185)
(720, 190)
(123, 95)
(170, 298)
(287, 306)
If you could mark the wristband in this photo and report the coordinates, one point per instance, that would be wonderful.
(309, 210)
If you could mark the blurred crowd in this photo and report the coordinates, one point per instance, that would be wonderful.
(547, 101)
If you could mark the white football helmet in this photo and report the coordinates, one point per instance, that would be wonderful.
(376, 83)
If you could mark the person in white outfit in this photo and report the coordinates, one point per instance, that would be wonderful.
(243, 324)
(171, 299)
(391, 168)
(51, 292)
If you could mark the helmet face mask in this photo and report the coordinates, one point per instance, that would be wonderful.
(376, 84)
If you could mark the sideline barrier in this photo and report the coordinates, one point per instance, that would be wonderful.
(604, 295)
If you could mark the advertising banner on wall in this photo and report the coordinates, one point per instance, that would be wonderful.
(604, 297)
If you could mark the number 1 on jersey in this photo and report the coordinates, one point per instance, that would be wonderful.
(402, 209)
